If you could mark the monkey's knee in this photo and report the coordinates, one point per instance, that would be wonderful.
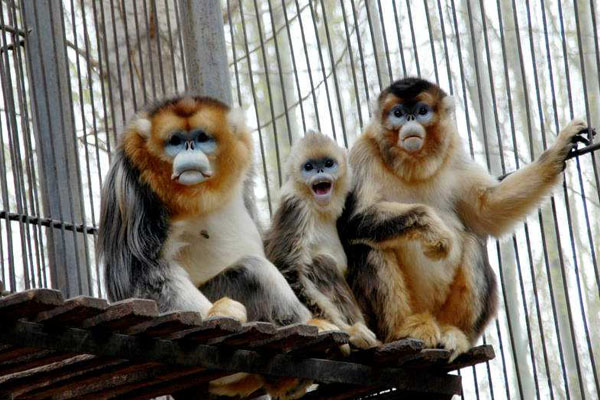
(258, 285)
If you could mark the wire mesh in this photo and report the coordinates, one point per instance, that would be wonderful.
(519, 72)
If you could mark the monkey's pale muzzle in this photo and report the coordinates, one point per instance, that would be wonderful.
(411, 136)
(191, 167)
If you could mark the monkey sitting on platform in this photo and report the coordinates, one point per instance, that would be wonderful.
(174, 226)
(303, 241)
(412, 177)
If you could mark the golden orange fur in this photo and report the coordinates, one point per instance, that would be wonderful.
(233, 157)
(445, 200)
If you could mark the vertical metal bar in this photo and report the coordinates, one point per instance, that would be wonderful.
(294, 66)
(569, 218)
(360, 52)
(412, 35)
(333, 71)
(49, 71)
(27, 134)
(130, 57)
(352, 67)
(204, 42)
(399, 36)
(172, 45)
(149, 45)
(156, 26)
(14, 148)
(431, 42)
(260, 138)
(323, 72)
(269, 92)
(307, 59)
(281, 83)
(181, 46)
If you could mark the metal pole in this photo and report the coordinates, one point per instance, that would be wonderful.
(205, 52)
(55, 142)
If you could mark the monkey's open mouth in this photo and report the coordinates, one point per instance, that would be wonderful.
(322, 188)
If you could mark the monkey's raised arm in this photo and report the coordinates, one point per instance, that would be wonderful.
(382, 224)
(133, 228)
(491, 207)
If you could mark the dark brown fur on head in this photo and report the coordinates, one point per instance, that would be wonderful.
(145, 137)
(440, 130)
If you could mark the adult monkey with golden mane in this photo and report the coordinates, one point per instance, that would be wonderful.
(175, 226)
(413, 179)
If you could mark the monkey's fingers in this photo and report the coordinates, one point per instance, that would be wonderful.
(580, 139)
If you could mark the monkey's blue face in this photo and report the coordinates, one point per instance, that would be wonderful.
(410, 121)
(320, 176)
(192, 153)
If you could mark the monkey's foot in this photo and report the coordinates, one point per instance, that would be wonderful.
(455, 340)
(422, 327)
(227, 307)
(362, 337)
(286, 388)
(240, 384)
(324, 326)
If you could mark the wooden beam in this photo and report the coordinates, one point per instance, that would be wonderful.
(136, 349)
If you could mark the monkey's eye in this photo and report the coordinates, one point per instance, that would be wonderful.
(202, 137)
(423, 110)
(329, 163)
(398, 112)
(308, 167)
(175, 140)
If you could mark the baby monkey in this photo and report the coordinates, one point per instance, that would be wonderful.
(303, 241)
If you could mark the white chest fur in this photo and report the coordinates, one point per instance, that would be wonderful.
(324, 240)
(205, 246)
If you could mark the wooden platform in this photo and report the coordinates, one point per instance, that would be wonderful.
(85, 348)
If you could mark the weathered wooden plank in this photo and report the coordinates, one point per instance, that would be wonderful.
(12, 352)
(429, 358)
(28, 303)
(74, 311)
(160, 376)
(323, 342)
(250, 333)
(189, 387)
(288, 337)
(338, 392)
(474, 356)
(212, 328)
(89, 382)
(393, 353)
(30, 380)
(122, 315)
(168, 325)
(145, 350)
(32, 360)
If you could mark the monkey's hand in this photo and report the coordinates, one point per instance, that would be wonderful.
(362, 337)
(436, 237)
(226, 307)
(566, 142)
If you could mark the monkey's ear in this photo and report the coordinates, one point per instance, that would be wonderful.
(141, 124)
(237, 120)
(448, 104)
